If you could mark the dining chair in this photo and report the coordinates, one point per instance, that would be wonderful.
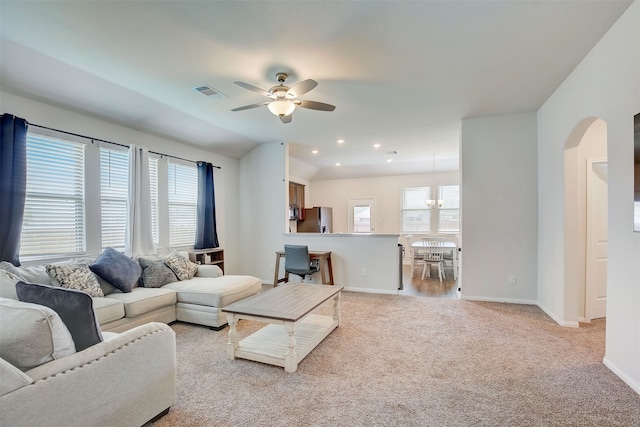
(434, 255)
(451, 259)
(297, 261)
(417, 253)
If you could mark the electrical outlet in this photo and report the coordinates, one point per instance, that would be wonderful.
(270, 267)
(512, 280)
(364, 271)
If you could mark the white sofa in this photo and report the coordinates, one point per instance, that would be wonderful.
(198, 300)
(125, 380)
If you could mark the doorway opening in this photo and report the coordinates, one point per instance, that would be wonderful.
(585, 220)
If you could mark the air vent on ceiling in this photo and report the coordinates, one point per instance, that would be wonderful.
(210, 92)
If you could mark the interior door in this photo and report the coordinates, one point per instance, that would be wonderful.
(597, 240)
(362, 215)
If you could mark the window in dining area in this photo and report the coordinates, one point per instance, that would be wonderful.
(419, 218)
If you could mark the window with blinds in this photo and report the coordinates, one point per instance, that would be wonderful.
(416, 217)
(449, 212)
(153, 183)
(183, 201)
(54, 214)
(114, 182)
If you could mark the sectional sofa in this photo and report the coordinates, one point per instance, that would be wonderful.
(85, 342)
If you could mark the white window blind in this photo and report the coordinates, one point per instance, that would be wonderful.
(416, 217)
(153, 183)
(183, 200)
(449, 212)
(114, 182)
(54, 215)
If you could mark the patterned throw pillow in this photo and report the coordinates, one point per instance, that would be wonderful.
(75, 276)
(180, 265)
(155, 273)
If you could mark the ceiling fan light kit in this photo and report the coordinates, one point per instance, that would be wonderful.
(283, 98)
(281, 107)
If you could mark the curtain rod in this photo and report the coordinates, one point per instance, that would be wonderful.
(111, 142)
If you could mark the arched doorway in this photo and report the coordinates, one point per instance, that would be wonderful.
(585, 219)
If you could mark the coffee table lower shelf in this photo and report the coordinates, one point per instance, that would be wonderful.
(284, 344)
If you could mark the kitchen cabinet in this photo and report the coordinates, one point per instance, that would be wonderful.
(296, 200)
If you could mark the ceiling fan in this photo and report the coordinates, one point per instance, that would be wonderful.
(283, 98)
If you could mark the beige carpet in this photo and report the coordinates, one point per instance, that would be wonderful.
(410, 361)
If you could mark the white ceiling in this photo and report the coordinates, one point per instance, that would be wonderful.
(400, 73)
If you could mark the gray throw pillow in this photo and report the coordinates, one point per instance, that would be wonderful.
(75, 308)
(117, 269)
(155, 273)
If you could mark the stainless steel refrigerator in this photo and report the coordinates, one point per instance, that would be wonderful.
(316, 220)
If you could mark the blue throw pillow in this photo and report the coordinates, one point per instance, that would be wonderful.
(75, 308)
(117, 269)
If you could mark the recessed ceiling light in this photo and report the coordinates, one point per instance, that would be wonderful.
(314, 151)
(337, 164)
(340, 141)
(376, 145)
(389, 160)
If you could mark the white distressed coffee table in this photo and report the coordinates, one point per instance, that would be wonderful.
(293, 331)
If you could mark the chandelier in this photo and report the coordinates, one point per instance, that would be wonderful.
(432, 203)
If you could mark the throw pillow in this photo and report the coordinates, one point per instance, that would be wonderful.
(74, 307)
(7, 266)
(118, 269)
(32, 334)
(74, 276)
(180, 265)
(155, 273)
(8, 284)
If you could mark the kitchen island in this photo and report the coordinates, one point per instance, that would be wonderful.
(361, 262)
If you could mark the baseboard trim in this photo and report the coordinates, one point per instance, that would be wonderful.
(507, 300)
(371, 291)
(609, 364)
(561, 322)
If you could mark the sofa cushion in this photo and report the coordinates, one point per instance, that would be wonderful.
(7, 266)
(74, 276)
(32, 334)
(143, 300)
(218, 292)
(8, 284)
(209, 270)
(155, 273)
(117, 268)
(180, 265)
(108, 309)
(11, 378)
(74, 307)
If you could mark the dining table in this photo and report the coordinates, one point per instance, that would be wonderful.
(448, 246)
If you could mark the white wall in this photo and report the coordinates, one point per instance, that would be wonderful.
(605, 85)
(363, 263)
(386, 190)
(226, 179)
(264, 212)
(499, 208)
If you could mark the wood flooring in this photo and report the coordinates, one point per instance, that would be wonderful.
(429, 287)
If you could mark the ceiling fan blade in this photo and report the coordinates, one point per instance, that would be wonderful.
(302, 88)
(247, 107)
(315, 105)
(286, 119)
(254, 89)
